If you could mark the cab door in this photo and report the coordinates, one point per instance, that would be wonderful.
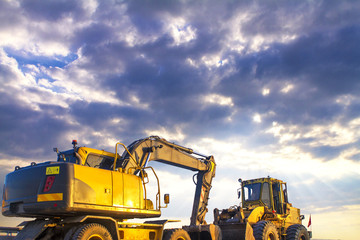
(277, 198)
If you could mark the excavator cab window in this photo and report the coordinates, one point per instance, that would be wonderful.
(99, 161)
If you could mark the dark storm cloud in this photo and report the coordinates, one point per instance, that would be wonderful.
(7, 21)
(30, 134)
(320, 68)
(51, 10)
(24, 131)
(330, 64)
(161, 79)
(93, 34)
(314, 62)
(333, 14)
(273, 17)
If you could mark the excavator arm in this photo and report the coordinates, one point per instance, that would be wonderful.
(138, 154)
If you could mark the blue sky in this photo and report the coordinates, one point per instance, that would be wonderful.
(268, 88)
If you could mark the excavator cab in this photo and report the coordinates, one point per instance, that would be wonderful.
(87, 157)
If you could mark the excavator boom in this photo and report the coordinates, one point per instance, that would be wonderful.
(141, 152)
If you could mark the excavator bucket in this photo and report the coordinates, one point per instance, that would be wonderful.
(238, 231)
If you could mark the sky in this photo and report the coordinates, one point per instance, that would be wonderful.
(270, 88)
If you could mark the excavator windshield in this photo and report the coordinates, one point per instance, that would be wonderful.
(99, 161)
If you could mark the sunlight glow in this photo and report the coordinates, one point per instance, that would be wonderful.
(287, 88)
(265, 91)
(257, 118)
(218, 100)
(346, 100)
(289, 160)
(318, 135)
(175, 135)
(181, 31)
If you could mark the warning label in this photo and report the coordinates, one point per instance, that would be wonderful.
(52, 170)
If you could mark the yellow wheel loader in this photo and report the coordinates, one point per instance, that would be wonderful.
(264, 214)
(89, 194)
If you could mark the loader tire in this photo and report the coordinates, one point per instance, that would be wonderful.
(265, 230)
(297, 232)
(92, 231)
(176, 234)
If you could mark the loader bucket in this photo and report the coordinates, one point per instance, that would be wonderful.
(204, 232)
(238, 231)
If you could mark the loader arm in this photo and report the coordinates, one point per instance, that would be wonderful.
(141, 152)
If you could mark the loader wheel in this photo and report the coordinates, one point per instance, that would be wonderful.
(265, 230)
(176, 234)
(92, 231)
(297, 232)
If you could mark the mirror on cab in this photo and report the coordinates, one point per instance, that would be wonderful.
(239, 193)
(239, 189)
(167, 198)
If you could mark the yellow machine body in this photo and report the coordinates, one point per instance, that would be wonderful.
(264, 202)
(77, 189)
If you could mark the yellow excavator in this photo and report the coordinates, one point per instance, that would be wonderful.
(264, 213)
(89, 194)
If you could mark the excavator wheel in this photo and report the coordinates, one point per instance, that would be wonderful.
(70, 232)
(297, 232)
(265, 230)
(176, 234)
(92, 231)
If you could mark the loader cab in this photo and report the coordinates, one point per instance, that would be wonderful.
(255, 193)
(267, 192)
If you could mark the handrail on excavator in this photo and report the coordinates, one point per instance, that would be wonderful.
(116, 154)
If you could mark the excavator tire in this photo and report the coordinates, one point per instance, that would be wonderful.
(265, 230)
(176, 234)
(92, 231)
(297, 232)
(70, 232)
